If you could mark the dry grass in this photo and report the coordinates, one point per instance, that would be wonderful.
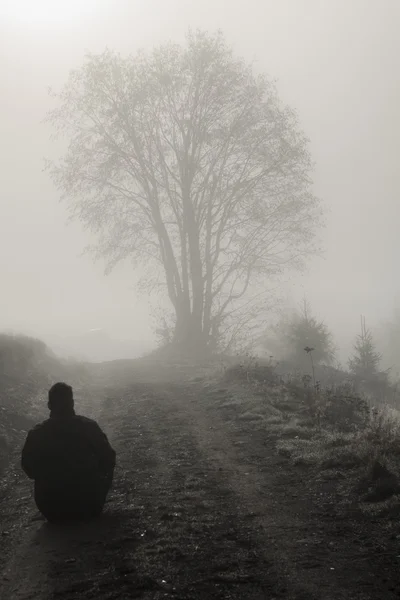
(332, 431)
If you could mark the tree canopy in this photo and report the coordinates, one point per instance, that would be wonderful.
(184, 160)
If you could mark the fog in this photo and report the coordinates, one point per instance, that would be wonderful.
(336, 63)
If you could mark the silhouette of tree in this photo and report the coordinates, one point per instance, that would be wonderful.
(366, 360)
(183, 159)
(302, 331)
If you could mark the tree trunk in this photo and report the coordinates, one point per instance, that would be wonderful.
(191, 228)
(187, 337)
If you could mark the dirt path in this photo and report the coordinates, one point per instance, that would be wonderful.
(199, 510)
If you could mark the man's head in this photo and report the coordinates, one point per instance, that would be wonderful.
(61, 399)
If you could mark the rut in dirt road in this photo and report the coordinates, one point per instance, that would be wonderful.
(172, 528)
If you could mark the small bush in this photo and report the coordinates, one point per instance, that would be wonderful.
(383, 432)
(343, 411)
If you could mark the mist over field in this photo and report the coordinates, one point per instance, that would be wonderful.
(335, 64)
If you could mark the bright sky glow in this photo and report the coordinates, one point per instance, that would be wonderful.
(47, 12)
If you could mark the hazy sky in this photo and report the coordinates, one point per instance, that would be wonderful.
(337, 63)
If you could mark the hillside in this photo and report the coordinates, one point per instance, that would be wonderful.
(27, 369)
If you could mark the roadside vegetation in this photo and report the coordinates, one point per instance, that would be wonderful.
(333, 428)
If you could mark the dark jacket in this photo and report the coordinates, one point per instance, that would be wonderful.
(70, 459)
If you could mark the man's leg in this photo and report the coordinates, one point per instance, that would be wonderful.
(81, 502)
(93, 499)
(48, 509)
(63, 505)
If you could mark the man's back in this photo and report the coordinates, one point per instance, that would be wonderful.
(70, 448)
(71, 461)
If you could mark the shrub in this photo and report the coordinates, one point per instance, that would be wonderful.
(344, 411)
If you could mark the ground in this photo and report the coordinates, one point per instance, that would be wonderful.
(203, 506)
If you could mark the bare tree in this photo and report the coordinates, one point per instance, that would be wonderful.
(184, 159)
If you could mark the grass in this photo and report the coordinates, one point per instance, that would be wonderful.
(333, 431)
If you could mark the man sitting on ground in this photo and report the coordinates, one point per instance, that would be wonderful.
(70, 460)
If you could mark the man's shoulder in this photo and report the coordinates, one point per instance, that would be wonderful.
(48, 423)
(40, 426)
(86, 421)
